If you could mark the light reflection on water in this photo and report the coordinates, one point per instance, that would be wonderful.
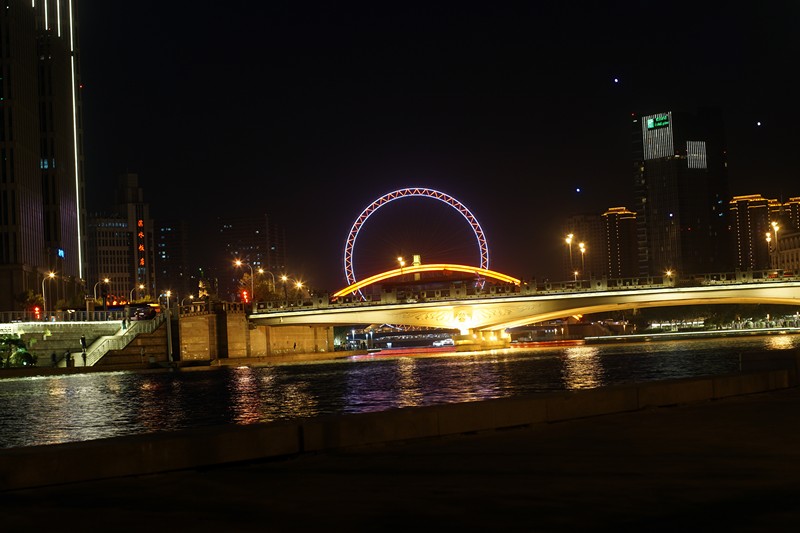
(44, 410)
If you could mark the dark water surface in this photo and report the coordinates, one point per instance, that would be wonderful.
(79, 407)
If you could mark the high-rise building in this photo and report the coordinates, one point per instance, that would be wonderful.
(121, 246)
(750, 217)
(172, 258)
(42, 222)
(681, 192)
(255, 241)
(620, 242)
(791, 210)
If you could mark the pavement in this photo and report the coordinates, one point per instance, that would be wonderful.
(730, 464)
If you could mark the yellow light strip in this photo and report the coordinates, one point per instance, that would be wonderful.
(426, 268)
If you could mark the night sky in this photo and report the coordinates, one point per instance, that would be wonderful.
(310, 111)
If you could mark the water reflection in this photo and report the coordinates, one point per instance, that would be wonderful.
(67, 408)
(582, 368)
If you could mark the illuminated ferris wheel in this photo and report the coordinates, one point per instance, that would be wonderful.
(483, 249)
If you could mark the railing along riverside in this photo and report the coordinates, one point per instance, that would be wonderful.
(105, 344)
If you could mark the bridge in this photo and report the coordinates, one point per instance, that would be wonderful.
(482, 311)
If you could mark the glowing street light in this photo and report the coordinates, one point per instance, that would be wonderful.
(568, 240)
(775, 227)
(297, 285)
(239, 263)
(769, 246)
(50, 276)
(140, 287)
(104, 280)
(582, 247)
(191, 297)
(284, 279)
(271, 275)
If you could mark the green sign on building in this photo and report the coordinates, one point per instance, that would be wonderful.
(657, 122)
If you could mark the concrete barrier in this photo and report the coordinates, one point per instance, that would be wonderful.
(160, 452)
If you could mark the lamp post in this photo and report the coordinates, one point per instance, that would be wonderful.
(140, 287)
(582, 247)
(50, 275)
(272, 276)
(239, 263)
(769, 247)
(104, 280)
(297, 285)
(284, 279)
(169, 327)
(568, 240)
(191, 297)
(775, 227)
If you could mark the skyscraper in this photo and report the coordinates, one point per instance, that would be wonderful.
(750, 222)
(681, 192)
(42, 223)
(121, 246)
(620, 242)
(256, 241)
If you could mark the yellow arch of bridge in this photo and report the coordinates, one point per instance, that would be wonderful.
(426, 268)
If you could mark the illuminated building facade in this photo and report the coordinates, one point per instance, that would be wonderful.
(42, 222)
(620, 242)
(750, 217)
(681, 193)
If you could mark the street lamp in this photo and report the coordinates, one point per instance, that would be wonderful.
(168, 295)
(582, 246)
(297, 285)
(284, 279)
(575, 275)
(568, 240)
(271, 275)
(239, 263)
(168, 320)
(775, 227)
(191, 297)
(104, 280)
(140, 287)
(50, 275)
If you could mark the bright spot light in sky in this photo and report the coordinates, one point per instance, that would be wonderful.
(758, 123)
(577, 189)
(616, 80)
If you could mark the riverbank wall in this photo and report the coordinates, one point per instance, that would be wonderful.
(56, 464)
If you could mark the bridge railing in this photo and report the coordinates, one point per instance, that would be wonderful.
(526, 288)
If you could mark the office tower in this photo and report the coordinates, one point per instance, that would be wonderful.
(121, 246)
(172, 259)
(620, 242)
(255, 241)
(42, 222)
(681, 192)
(750, 217)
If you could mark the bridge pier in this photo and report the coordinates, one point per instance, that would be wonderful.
(482, 340)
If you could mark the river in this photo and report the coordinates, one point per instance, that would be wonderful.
(79, 407)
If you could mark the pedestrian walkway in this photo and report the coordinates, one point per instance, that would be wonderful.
(730, 464)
